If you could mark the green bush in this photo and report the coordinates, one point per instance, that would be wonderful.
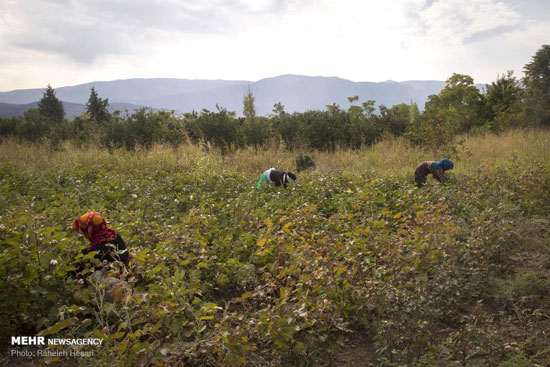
(304, 161)
(530, 283)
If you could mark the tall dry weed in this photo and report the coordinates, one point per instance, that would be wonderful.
(390, 157)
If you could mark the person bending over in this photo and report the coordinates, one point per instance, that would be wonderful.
(105, 242)
(276, 176)
(435, 168)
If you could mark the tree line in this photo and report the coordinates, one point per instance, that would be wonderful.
(459, 107)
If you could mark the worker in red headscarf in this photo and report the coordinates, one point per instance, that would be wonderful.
(105, 242)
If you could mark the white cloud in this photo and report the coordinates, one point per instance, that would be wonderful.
(68, 42)
(451, 22)
(475, 37)
(85, 30)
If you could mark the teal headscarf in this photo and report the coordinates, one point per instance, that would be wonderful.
(445, 164)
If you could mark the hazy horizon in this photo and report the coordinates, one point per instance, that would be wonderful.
(230, 80)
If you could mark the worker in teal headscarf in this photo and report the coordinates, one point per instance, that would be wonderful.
(435, 168)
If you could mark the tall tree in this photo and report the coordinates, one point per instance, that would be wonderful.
(395, 119)
(278, 109)
(459, 104)
(503, 101)
(354, 110)
(50, 106)
(363, 123)
(414, 113)
(503, 92)
(256, 129)
(537, 83)
(368, 108)
(249, 110)
(97, 107)
(537, 72)
(432, 129)
(285, 127)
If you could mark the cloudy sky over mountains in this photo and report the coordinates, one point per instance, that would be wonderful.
(67, 42)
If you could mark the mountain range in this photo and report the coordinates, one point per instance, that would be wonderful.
(297, 93)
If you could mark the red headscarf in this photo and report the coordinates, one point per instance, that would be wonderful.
(93, 227)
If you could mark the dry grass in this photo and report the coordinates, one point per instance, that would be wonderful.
(524, 146)
(391, 157)
(388, 157)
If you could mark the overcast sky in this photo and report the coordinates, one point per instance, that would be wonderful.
(69, 42)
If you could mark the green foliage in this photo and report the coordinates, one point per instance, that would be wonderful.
(96, 107)
(529, 283)
(459, 104)
(221, 129)
(33, 126)
(414, 113)
(249, 110)
(83, 131)
(304, 161)
(457, 108)
(233, 276)
(504, 103)
(50, 107)
(325, 130)
(537, 74)
(285, 127)
(395, 119)
(256, 130)
(141, 129)
(537, 82)
(433, 132)
(364, 126)
(503, 93)
(8, 126)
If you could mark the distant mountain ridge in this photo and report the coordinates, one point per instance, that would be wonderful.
(297, 93)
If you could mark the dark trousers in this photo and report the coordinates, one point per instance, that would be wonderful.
(420, 173)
